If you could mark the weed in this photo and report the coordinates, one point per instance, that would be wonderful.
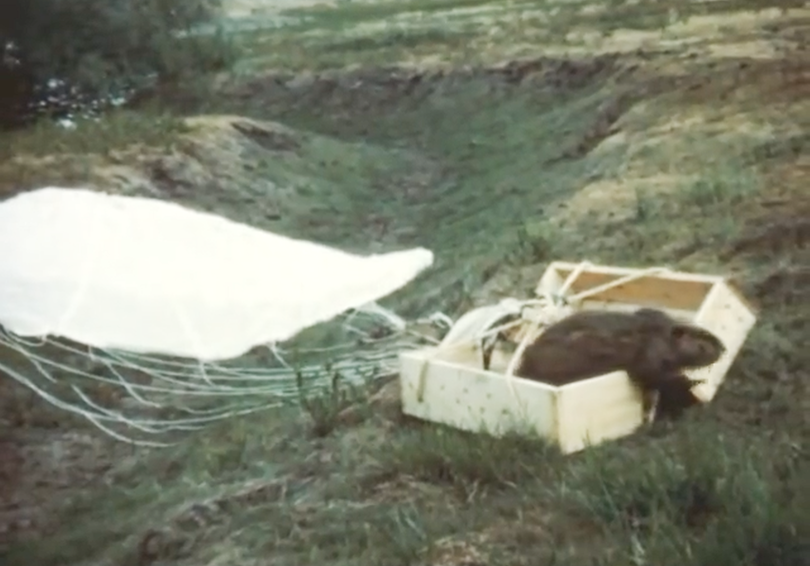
(534, 244)
(324, 407)
(645, 205)
(729, 185)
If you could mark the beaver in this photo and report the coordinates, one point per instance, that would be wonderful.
(653, 348)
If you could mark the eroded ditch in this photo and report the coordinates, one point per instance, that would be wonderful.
(484, 153)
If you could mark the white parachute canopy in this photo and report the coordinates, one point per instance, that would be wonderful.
(149, 276)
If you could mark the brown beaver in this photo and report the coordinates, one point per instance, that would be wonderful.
(648, 344)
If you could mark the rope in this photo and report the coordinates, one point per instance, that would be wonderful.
(180, 384)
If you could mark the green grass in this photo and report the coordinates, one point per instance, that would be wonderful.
(701, 498)
(622, 504)
(117, 131)
(355, 497)
(480, 169)
(483, 182)
(461, 31)
(353, 13)
(501, 149)
(48, 154)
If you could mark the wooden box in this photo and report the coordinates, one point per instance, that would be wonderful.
(447, 384)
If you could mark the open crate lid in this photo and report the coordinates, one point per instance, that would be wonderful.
(710, 301)
(677, 288)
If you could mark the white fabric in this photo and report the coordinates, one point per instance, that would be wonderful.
(146, 275)
(474, 324)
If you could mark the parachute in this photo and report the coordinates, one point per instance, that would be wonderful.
(145, 275)
(129, 276)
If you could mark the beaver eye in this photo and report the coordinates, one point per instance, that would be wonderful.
(678, 332)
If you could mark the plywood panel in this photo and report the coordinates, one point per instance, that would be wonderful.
(598, 409)
(729, 318)
(475, 400)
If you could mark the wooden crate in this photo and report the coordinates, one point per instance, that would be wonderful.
(448, 385)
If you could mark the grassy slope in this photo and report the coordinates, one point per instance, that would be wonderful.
(700, 175)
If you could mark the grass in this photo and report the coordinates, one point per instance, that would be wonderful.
(352, 13)
(700, 499)
(119, 130)
(498, 174)
(475, 31)
(49, 154)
